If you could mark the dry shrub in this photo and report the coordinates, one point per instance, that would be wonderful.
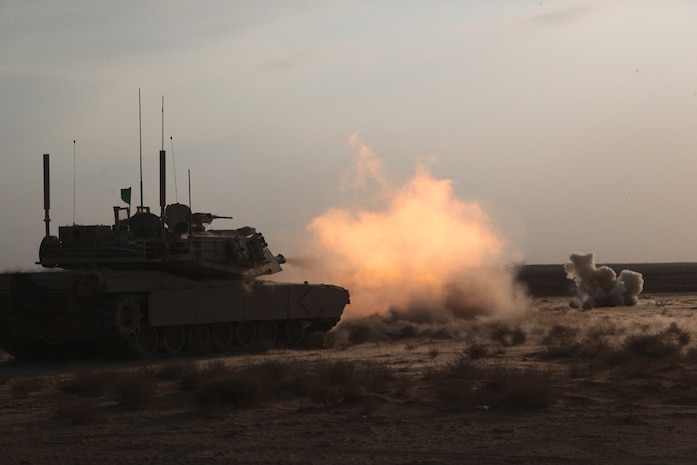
(316, 340)
(642, 355)
(691, 355)
(507, 336)
(679, 334)
(460, 368)
(174, 371)
(464, 393)
(398, 325)
(650, 346)
(433, 352)
(88, 383)
(477, 350)
(631, 366)
(337, 372)
(594, 346)
(523, 388)
(275, 372)
(194, 374)
(358, 334)
(333, 382)
(473, 384)
(688, 377)
(246, 387)
(136, 390)
(605, 329)
(374, 377)
(324, 394)
(561, 341)
(21, 388)
(580, 370)
(566, 342)
(407, 331)
(362, 380)
(239, 389)
(214, 367)
(667, 343)
(80, 412)
(190, 378)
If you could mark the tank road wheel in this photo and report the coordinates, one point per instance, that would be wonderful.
(56, 328)
(173, 338)
(127, 316)
(268, 331)
(199, 338)
(222, 336)
(245, 333)
(295, 331)
(147, 340)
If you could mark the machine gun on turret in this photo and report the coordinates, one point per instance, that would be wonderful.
(198, 220)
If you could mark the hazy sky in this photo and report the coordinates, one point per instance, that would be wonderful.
(572, 123)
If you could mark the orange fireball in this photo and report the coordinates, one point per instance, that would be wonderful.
(412, 247)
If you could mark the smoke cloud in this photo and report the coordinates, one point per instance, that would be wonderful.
(414, 251)
(601, 287)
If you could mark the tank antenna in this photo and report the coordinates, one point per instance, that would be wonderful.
(74, 182)
(140, 135)
(163, 122)
(190, 210)
(163, 186)
(174, 168)
(47, 195)
(163, 181)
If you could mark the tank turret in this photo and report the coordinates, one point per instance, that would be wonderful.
(179, 242)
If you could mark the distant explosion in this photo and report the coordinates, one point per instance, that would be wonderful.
(414, 249)
(601, 287)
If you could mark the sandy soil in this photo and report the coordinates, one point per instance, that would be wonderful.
(641, 412)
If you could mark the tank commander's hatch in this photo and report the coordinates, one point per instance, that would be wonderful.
(178, 217)
(143, 224)
(121, 217)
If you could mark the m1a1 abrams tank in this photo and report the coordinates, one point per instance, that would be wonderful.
(152, 283)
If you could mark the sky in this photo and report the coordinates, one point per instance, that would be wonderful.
(571, 123)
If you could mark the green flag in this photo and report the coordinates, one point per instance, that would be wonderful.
(126, 195)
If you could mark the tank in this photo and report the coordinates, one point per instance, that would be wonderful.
(166, 283)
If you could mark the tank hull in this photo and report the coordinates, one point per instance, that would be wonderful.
(140, 313)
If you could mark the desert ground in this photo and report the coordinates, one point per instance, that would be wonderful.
(552, 384)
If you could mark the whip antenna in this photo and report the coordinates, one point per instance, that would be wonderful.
(163, 179)
(47, 193)
(189, 203)
(174, 167)
(163, 122)
(74, 182)
(140, 135)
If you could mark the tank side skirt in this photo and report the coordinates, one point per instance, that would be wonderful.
(232, 301)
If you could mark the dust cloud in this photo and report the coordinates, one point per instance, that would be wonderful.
(413, 251)
(601, 287)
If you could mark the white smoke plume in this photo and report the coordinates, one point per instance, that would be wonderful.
(601, 287)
